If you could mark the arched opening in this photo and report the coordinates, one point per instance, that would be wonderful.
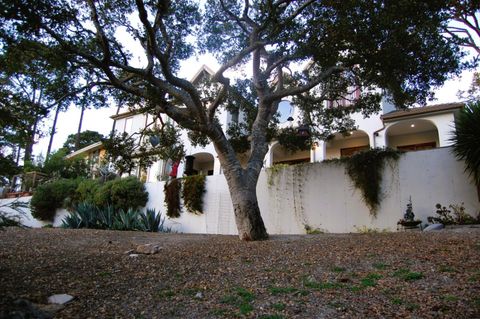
(347, 144)
(412, 135)
(199, 164)
(281, 155)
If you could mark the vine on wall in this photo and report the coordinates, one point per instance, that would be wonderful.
(172, 197)
(193, 190)
(366, 171)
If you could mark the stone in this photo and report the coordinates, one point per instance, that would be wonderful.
(133, 255)
(148, 249)
(60, 299)
(434, 227)
(199, 295)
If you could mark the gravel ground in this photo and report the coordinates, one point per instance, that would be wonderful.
(393, 275)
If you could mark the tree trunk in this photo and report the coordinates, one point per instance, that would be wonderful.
(242, 184)
(52, 133)
(27, 157)
(77, 139)
(247, 213)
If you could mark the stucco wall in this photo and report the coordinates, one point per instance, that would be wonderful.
(322, 196)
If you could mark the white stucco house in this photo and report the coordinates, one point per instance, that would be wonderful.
(409, 130)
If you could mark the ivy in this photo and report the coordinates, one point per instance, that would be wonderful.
(172, 197)
(193, 190)
(292, 141)
(365, 170)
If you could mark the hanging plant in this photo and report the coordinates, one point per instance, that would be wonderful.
(293, 141)
(192, 194)
(365, 170)
(172, 197)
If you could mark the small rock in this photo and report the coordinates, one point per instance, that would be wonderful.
(199, 295)
(60, 299)
(148, 249)
(434, 227)
(133, 255)
(128, 252)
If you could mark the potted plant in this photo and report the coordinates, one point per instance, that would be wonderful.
(408, 220)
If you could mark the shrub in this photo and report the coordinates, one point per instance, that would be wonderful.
(51, 196)
(122, 193)
(86, 191)
(127, 220)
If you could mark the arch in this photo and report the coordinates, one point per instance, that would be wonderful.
(412, 135)
(346, 144)
(203, 163)
(280, 155)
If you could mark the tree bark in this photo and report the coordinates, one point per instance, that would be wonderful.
(247, 214)
(77, 139)
(242, 185)
(52, 133)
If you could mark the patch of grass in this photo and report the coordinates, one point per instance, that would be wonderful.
(241, 298)
(338, 269)
(270, 317)
(408, 275)
(475, 277)
(279, 306)
(302, 292)
(165, 293)
(370, 280)
(355, 288)
(380, 266)
(219, 312)
(320, 285)
(282, 290)
(397, 301)
(444, 268)
(450, 298)
(245, 308)
(104, 274)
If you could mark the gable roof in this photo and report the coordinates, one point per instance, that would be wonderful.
(91, 147)
(418, 111)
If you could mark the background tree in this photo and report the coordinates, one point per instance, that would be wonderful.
(311, 50)
(86, 138)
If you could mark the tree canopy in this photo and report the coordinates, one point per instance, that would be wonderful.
(86, 138)
(310, 51)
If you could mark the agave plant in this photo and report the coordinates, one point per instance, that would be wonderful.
(72, 220)
(466, 139)
(127, 220)
(89, 215)
(106, 217)
(151, 221)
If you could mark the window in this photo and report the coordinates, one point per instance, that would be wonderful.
(417, 147)
(349, 151)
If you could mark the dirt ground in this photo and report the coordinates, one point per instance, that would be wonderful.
(392, 275)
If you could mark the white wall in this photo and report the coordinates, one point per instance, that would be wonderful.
(27, 218)
(322, 196)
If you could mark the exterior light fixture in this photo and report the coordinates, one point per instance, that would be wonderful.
(290, 119)
(412, 125)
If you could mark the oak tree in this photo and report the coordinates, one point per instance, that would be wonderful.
(307, 50)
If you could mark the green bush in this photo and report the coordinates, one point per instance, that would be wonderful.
(86, 191)
(51, 196)
(122, 193)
